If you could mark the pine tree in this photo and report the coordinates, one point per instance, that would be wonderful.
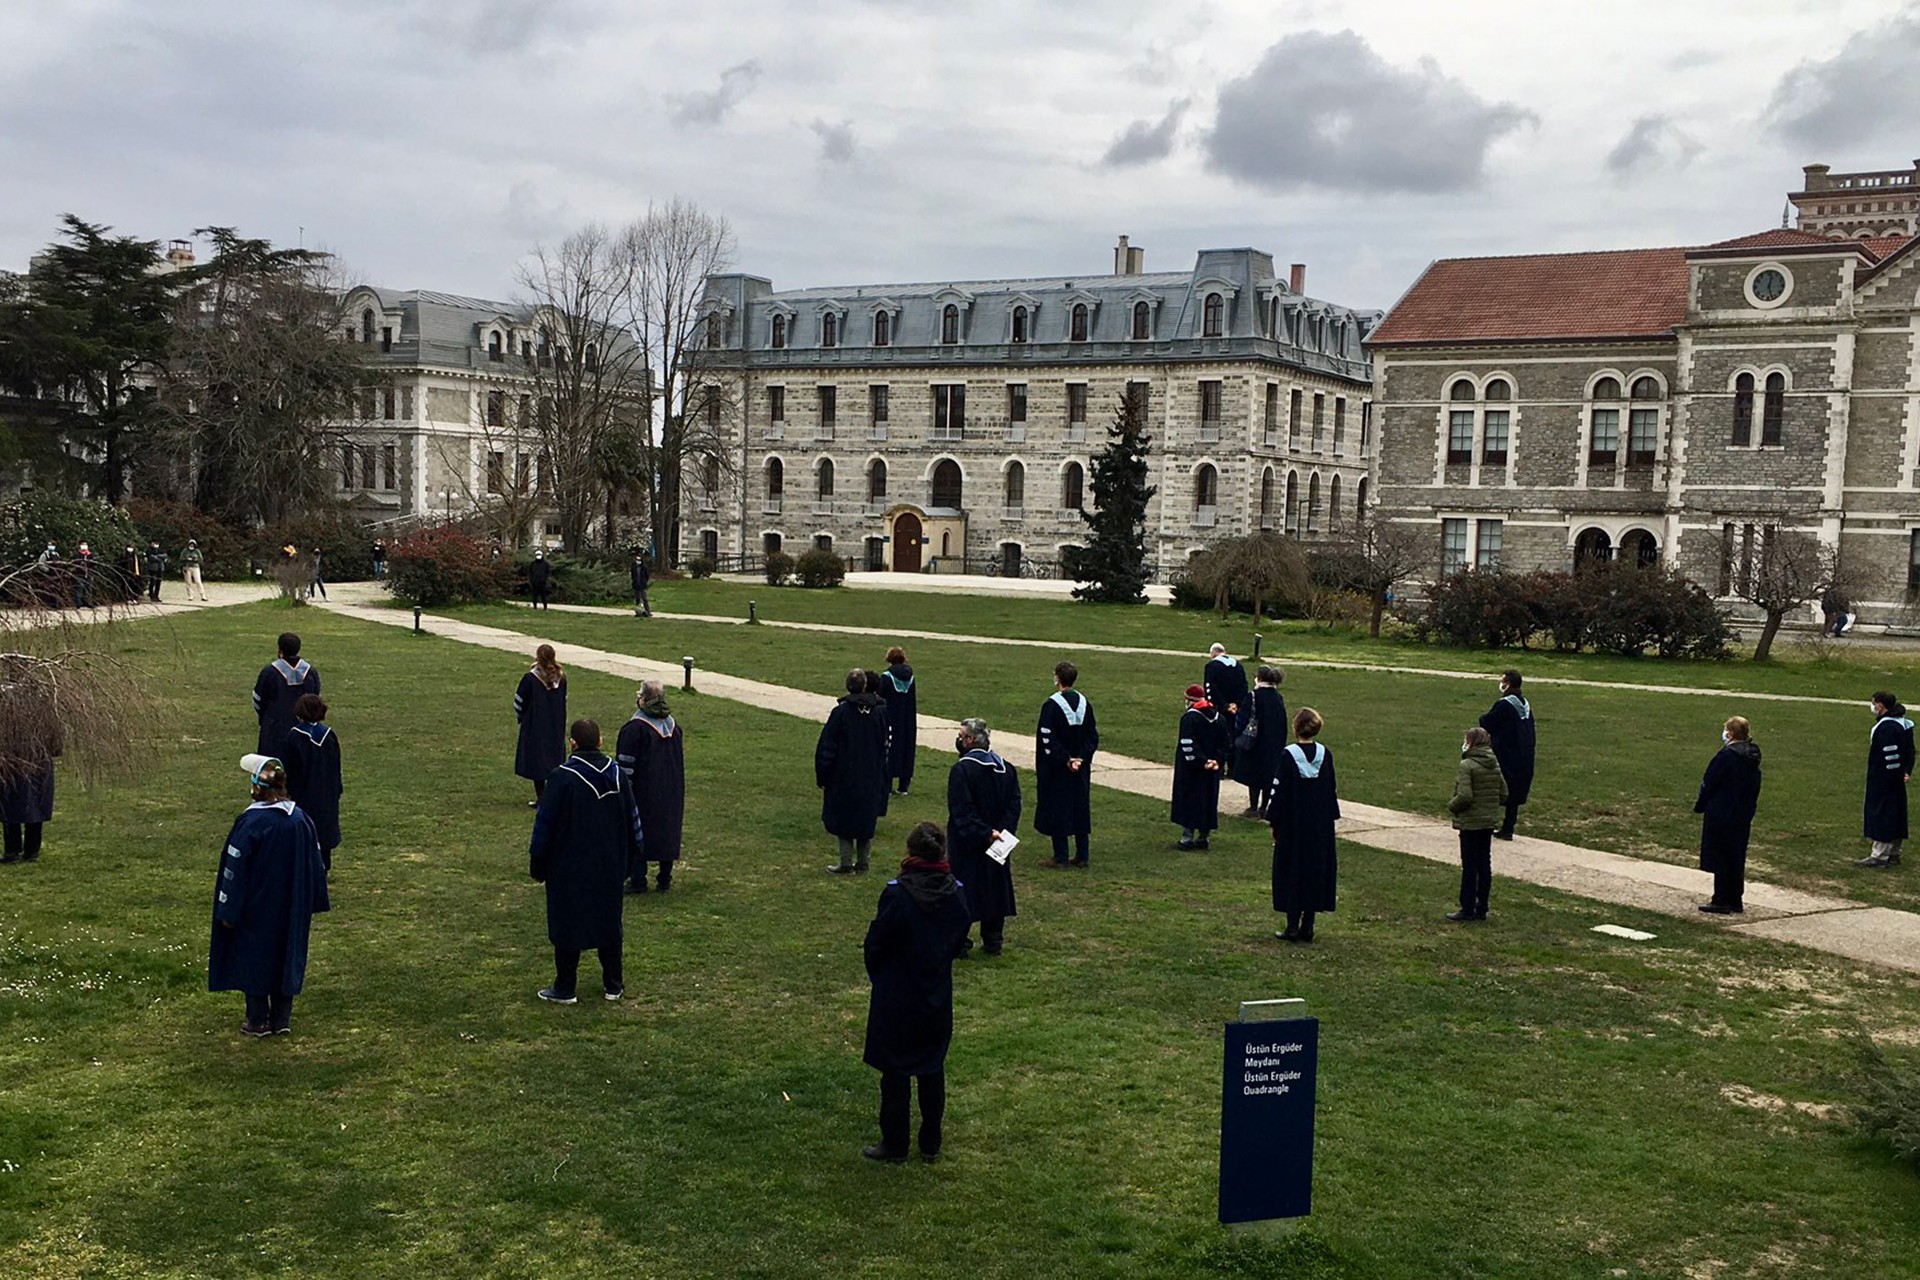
(1112, 568)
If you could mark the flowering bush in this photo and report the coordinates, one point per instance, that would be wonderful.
(445, 566)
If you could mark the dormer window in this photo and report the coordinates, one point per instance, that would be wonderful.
(494, 351)
(950, 323)
(882, 329)
(1213, 314)
(1142, 321)
(779, 332)
(1077, 330)
(1019, 324)
(713, 332)
(829, 330)
(366, 326)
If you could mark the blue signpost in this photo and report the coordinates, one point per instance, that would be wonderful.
(1266, 1119)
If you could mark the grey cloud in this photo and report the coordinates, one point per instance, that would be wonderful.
(836, 140)
(1650, 142)
(1147, 140)
(1326, 110)
(1863, 91)
(736, 83)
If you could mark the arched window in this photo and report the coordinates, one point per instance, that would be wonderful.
(1016, 486)
(1461, 390)
(710, 475)
(1591, 547)
(1646, 389)
(825, 478)
(1072, 486)
(950, 323)
(1743, 409)
(1142, 321)
(1774, 410)
(1019, 324)
(366, 328)
(493, 344)
(776, 483)
(882, 328)
(1607, 389)
(1206, 487)
(713, 331)
(1360, 502)
(946, 484)
(876, 482)
(829, 330)
(1313, 504)
(1212, 314)
(1078, 332)
(1333, 503)
(593, 356)
(779, 332)
(1266, 498)
(1499, 390)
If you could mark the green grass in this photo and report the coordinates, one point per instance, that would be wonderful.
(1617, 769)
(1526, 1099)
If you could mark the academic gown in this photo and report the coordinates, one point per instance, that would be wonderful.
(279, 686)
(1510, 722)
(1196, 788)
(541, 710)
(653, 759)
(1302, 807)
(903, 720)
(271, 885)
(585, 833)
(1062, 798)
(1889, 763)
(311, 753)
(1225, 681)
(909, 951)
(1270, 740)
(983, 796)
(26, 790)
(850, 767)
(1729, 795)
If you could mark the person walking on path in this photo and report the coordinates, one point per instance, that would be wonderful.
(1510, 722)
(319, 580)
(311, 755)
(903, 717)
(641, 576)
(1729, 795)
(1268, 729)
(586, 834)
(33, 742)
(539, 578)
(190, 561)
(540, 708)
(271, 885)
(983, 804)
(1063, 769)
(1225, 681)
(850, 768)
(128, 565)
(1889, 769)
(379, 558)
(278, 687)
(155, 565)
(651, 751)
(83, 564)
(1199, 762)
(1303, 804)
(1479, 799)
(916, 931)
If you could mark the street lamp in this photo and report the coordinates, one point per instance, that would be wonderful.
(446, 495)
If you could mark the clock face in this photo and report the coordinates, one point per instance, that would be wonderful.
(1769, 285)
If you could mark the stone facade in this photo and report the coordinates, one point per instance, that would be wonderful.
(931, 426)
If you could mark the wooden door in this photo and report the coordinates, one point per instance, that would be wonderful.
(906, 543)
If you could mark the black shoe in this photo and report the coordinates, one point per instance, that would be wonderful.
(902, 791)
(1081, 863)
(636, 886)
(859, 868)
(258, 1030)
(1715, 909)
(1462, 917)
(965, 949)
(928, 1157)
(662, 885)
(835, 869)
(35, 857)
(992, 948)
(1058, 864)
(1288, 934)
(282, 1029)
(1201, 843)
(11, 857)
(1503, 835)
(1184, 844)
(554, 997)
(879, 1152)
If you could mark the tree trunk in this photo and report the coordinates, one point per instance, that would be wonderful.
(1379, 607)
(1767, 633)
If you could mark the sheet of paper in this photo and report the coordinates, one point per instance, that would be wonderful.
(1000, 850)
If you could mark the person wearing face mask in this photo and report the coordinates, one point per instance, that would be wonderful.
(1729, 794)
(1510, 723)
(983, 803)
(850, 768)
(1479, 798)
(1889, 769)
(539, 578)
(1199, 762)
(651, 752)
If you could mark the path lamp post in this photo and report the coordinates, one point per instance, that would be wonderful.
(686, 664)
(416, 619)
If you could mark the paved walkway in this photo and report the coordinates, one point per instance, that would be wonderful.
(1876, 935)
(966, 584)
(173, 601)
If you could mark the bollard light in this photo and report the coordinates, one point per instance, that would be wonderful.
(753, 611)
(1256, 644)
(416, 619)
(686, 664)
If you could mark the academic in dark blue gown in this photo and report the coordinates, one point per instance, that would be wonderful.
(541, 709)
(1510, 722)
(1889, 765)
(983, 796)
(903, 721)
(270, 886)
(1271, 731)
(26, 791)
(651, 752)
(586, 831)
(850, 766)
(1302, 805)
(280, 684)
(1225, 681)
(1205, 735)
(1062, 797)
(909, 953)
(1729, 797)
(311, 752)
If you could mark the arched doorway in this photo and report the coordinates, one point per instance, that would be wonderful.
(906, 543)
(1591, 547)
(1637, 547)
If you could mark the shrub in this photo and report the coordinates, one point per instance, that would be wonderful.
(1188, 596)
(700, 567)
(38, 517)
(345, 542)
(578, 579)
(779, 566)
(444, 566)
(1479, 608)
(1612, 608)
(171, 524)
(1890, 1106)
(1560, 608)
(819, 567)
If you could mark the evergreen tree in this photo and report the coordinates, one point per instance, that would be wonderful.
(1112, 568)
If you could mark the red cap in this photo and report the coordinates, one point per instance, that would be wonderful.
(1195, 693)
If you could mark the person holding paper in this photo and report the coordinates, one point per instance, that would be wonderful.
(1063, 768)
(1303, 804)
(1199, 762)
(983, 807)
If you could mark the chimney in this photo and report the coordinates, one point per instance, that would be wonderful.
(179, 255)
(1814, 176)
(1297, 278)
(1128, 261)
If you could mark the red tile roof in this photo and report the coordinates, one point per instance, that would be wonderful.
(1776, 238)
(1626, 293)
(1878, 247)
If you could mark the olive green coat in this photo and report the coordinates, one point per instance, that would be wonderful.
(1479, 792)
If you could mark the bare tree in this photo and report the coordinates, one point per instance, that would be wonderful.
(506, 492)
(1376, 557)
(1788, 571)
(1262, 567)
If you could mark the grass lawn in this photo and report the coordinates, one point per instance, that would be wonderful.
(1522, 1100)
(1618, 769)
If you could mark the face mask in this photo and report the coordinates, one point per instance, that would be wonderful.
(1726, 737)
(1464, 749)
(960, 745)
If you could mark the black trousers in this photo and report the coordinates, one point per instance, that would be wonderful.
(1513, 814)
(895, 1087)
(640, 600)
(153, 588)
(270, 1010)
(1079, 847)
(1476, 870)
(539, 597)
(23, 841)
(566, 970)
(993, 933)
(1730, 884)
(1301, 923)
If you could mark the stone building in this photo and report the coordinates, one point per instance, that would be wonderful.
(942, 425)
(1677, 404)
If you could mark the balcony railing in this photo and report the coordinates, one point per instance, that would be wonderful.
(774, 431)
(1014, 511)
(876, 431)
(1076, 432)
(771, 506)
(1210, 431)
(952, 433)
(877, 505)
(1205, 517)
(824, 431)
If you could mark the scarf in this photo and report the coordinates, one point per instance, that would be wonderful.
(911, 863)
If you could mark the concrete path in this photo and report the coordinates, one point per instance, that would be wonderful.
(966, 584)
(1875, 935)
(173, 601)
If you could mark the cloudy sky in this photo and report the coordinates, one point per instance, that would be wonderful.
(430, 144)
